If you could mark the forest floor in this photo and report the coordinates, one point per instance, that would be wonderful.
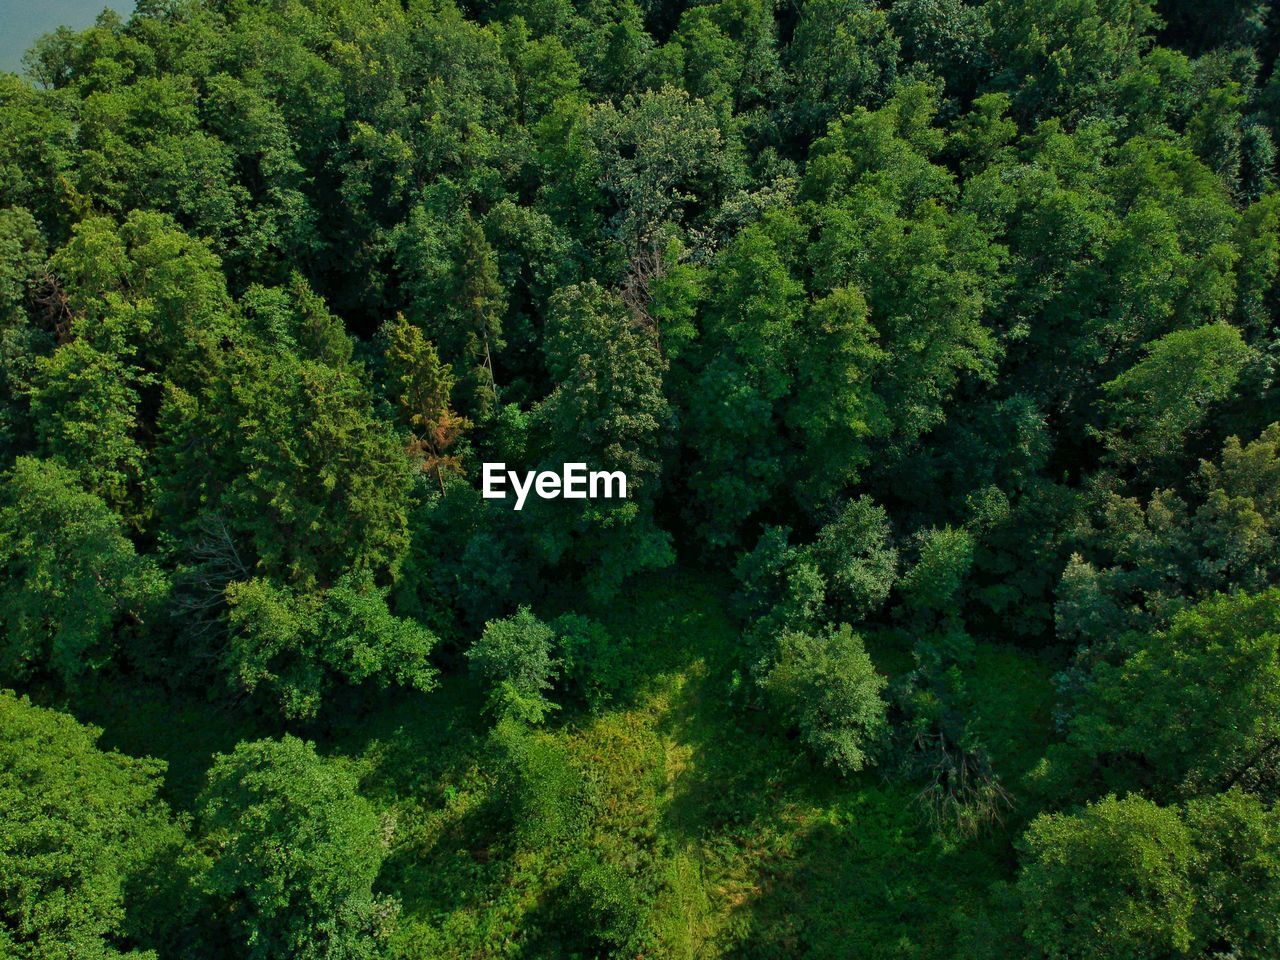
(751, 850)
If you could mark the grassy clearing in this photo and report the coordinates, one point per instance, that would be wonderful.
(741, 846)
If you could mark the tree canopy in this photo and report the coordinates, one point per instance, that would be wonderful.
(938, 342)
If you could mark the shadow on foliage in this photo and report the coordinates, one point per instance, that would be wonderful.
(867, 882)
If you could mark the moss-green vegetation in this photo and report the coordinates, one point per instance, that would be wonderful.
(730, 842)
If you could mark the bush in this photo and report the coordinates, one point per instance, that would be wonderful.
(827, 686)
(515, 657)
(541, 790)
(593, 661)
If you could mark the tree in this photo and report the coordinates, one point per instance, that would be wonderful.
(296, 851)
(931, 588)
(885, 222)
(71, 583)
(608, 402)
(23, 344)
(1197, 706)
(455, 294)
(298, 645)
(1110, 883)
(515, 657)
(730, 57)
(147, 292)
(311, 482)
(843, 55)
(1128, 878)
(1236, 873)
(856, 555)
(835, 408)
(22, 259)
(85, 836)
(594, 663)
(421, 386)
(1153, 404)
(780, 588)
(1149, 561)
(1217, 23)
(1062, 57)
(661, 151)
(481, 300)
(827, 686)
(608, 410)
(949, 37)
(742, 376)
(84, 407)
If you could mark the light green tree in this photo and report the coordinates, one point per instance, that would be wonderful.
(296, 851)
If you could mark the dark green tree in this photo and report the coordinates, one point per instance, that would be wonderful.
(516, 657)
(1111, 882)
(296, 646)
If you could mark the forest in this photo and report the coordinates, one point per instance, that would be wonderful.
(938, 342)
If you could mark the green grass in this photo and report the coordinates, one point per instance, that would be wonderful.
(741, 847)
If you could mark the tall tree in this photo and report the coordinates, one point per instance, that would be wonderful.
(421, 386)
(72, 585)
(296, 851)
(86, 838)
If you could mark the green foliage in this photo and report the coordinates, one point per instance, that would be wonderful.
(1236, 872)
(296, 646)
(1112, 881)
(1195, 705)
(1154, 403)
(603, 900)
(733, 404)
(421, 387)
(1062, 56)
(83, 403)
(73, 582)
(1160, 556)
(87, 843)
(950, 38)
(834, 409)
(1128, 878)
(887, 224)
(827, 686)
(541, 791)
(593, 661)
(274, 278)
(656, 153)
(855, 555)
(932, 585)
(515, 657)
(148, 290)
(780, 587)
(304, 474)
(843, 55)
(22, 250)
(296, 851)
(465, 564)
(607, 409)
